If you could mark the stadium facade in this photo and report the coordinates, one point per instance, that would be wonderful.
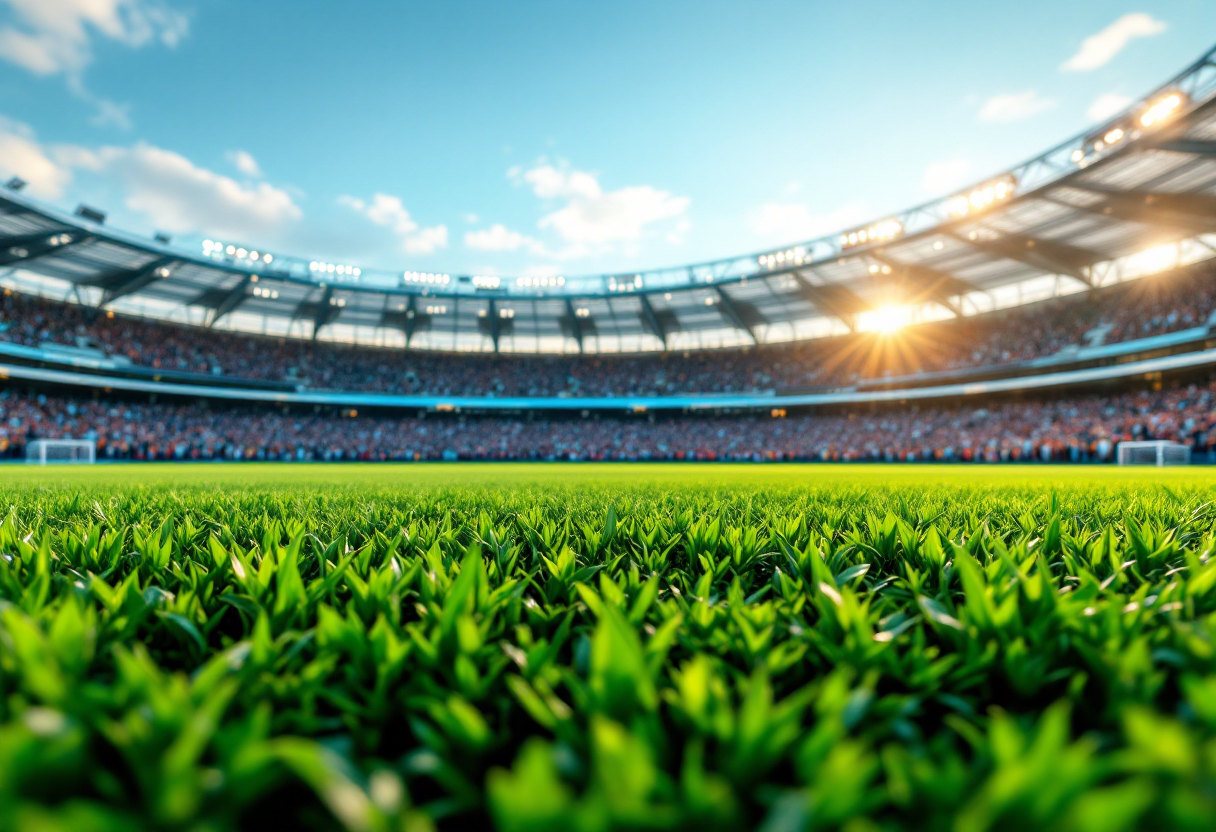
(1129, 202)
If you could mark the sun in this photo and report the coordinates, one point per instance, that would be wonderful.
(889, 319)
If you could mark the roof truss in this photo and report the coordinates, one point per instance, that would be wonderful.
(1190, 213)
(322, 313)
(119, 284)
(1046, 255)
(655, 325)
(1196, 147)
(737, 316)
(230, 301)
(28, 247)
(575, 323)
(832, 299)
(920, 283)
(494, 324)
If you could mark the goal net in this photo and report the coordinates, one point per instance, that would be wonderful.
(44, 451)
(1157, 452)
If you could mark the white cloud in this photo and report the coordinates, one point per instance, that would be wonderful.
(592, 217)
(180, 197)
(22, 156)
(243, 161)
(1108, 104)
(793, 221)
(172, 192)
(54, 36)
(500, 238)
(110, 114)
(427, 240)
(677, 234)
(944, 175)
(550, 183)
(1099, 49)
(389, 211)
(1014, 106)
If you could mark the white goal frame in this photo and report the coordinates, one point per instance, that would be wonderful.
(1158, 452)
(68, 451)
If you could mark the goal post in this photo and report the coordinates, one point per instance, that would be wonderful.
(52, 451)
(1158, 452)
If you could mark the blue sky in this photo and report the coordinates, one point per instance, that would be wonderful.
(551, 137)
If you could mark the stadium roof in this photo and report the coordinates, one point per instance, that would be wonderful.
(1135, 196)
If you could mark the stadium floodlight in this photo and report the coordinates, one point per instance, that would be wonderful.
(876, 233)
(217, 249)
(438, 309)
(540, 282)
(337, 269)
(582, 312)
(625, 285)
(779, 259)
(486, 281)
(262, 292)
(1099, 143)
(338, 302)
(875, 268)
(429, 278)
(1162, 109)
(506, 312)
(982, 197)
(1159, 111)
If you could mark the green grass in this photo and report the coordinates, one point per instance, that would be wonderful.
(573, 647)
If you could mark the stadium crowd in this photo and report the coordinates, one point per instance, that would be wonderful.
(1146, 307)
(1083, 428)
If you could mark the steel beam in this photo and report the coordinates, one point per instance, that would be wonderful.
(493, 324)
(924, 283)
(119, 284)
(651, 321)
(576, 324)
(730, 312)
(27, 247)
(837, 301)
(1196, 147)
(325, 312)
(411, 319)
(231, 301)
(1047, 255)
(1192, 213)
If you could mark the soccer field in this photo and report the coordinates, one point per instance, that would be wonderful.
(593, 647)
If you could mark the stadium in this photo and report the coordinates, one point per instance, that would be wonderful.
(907, 526)
(1047, 312)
